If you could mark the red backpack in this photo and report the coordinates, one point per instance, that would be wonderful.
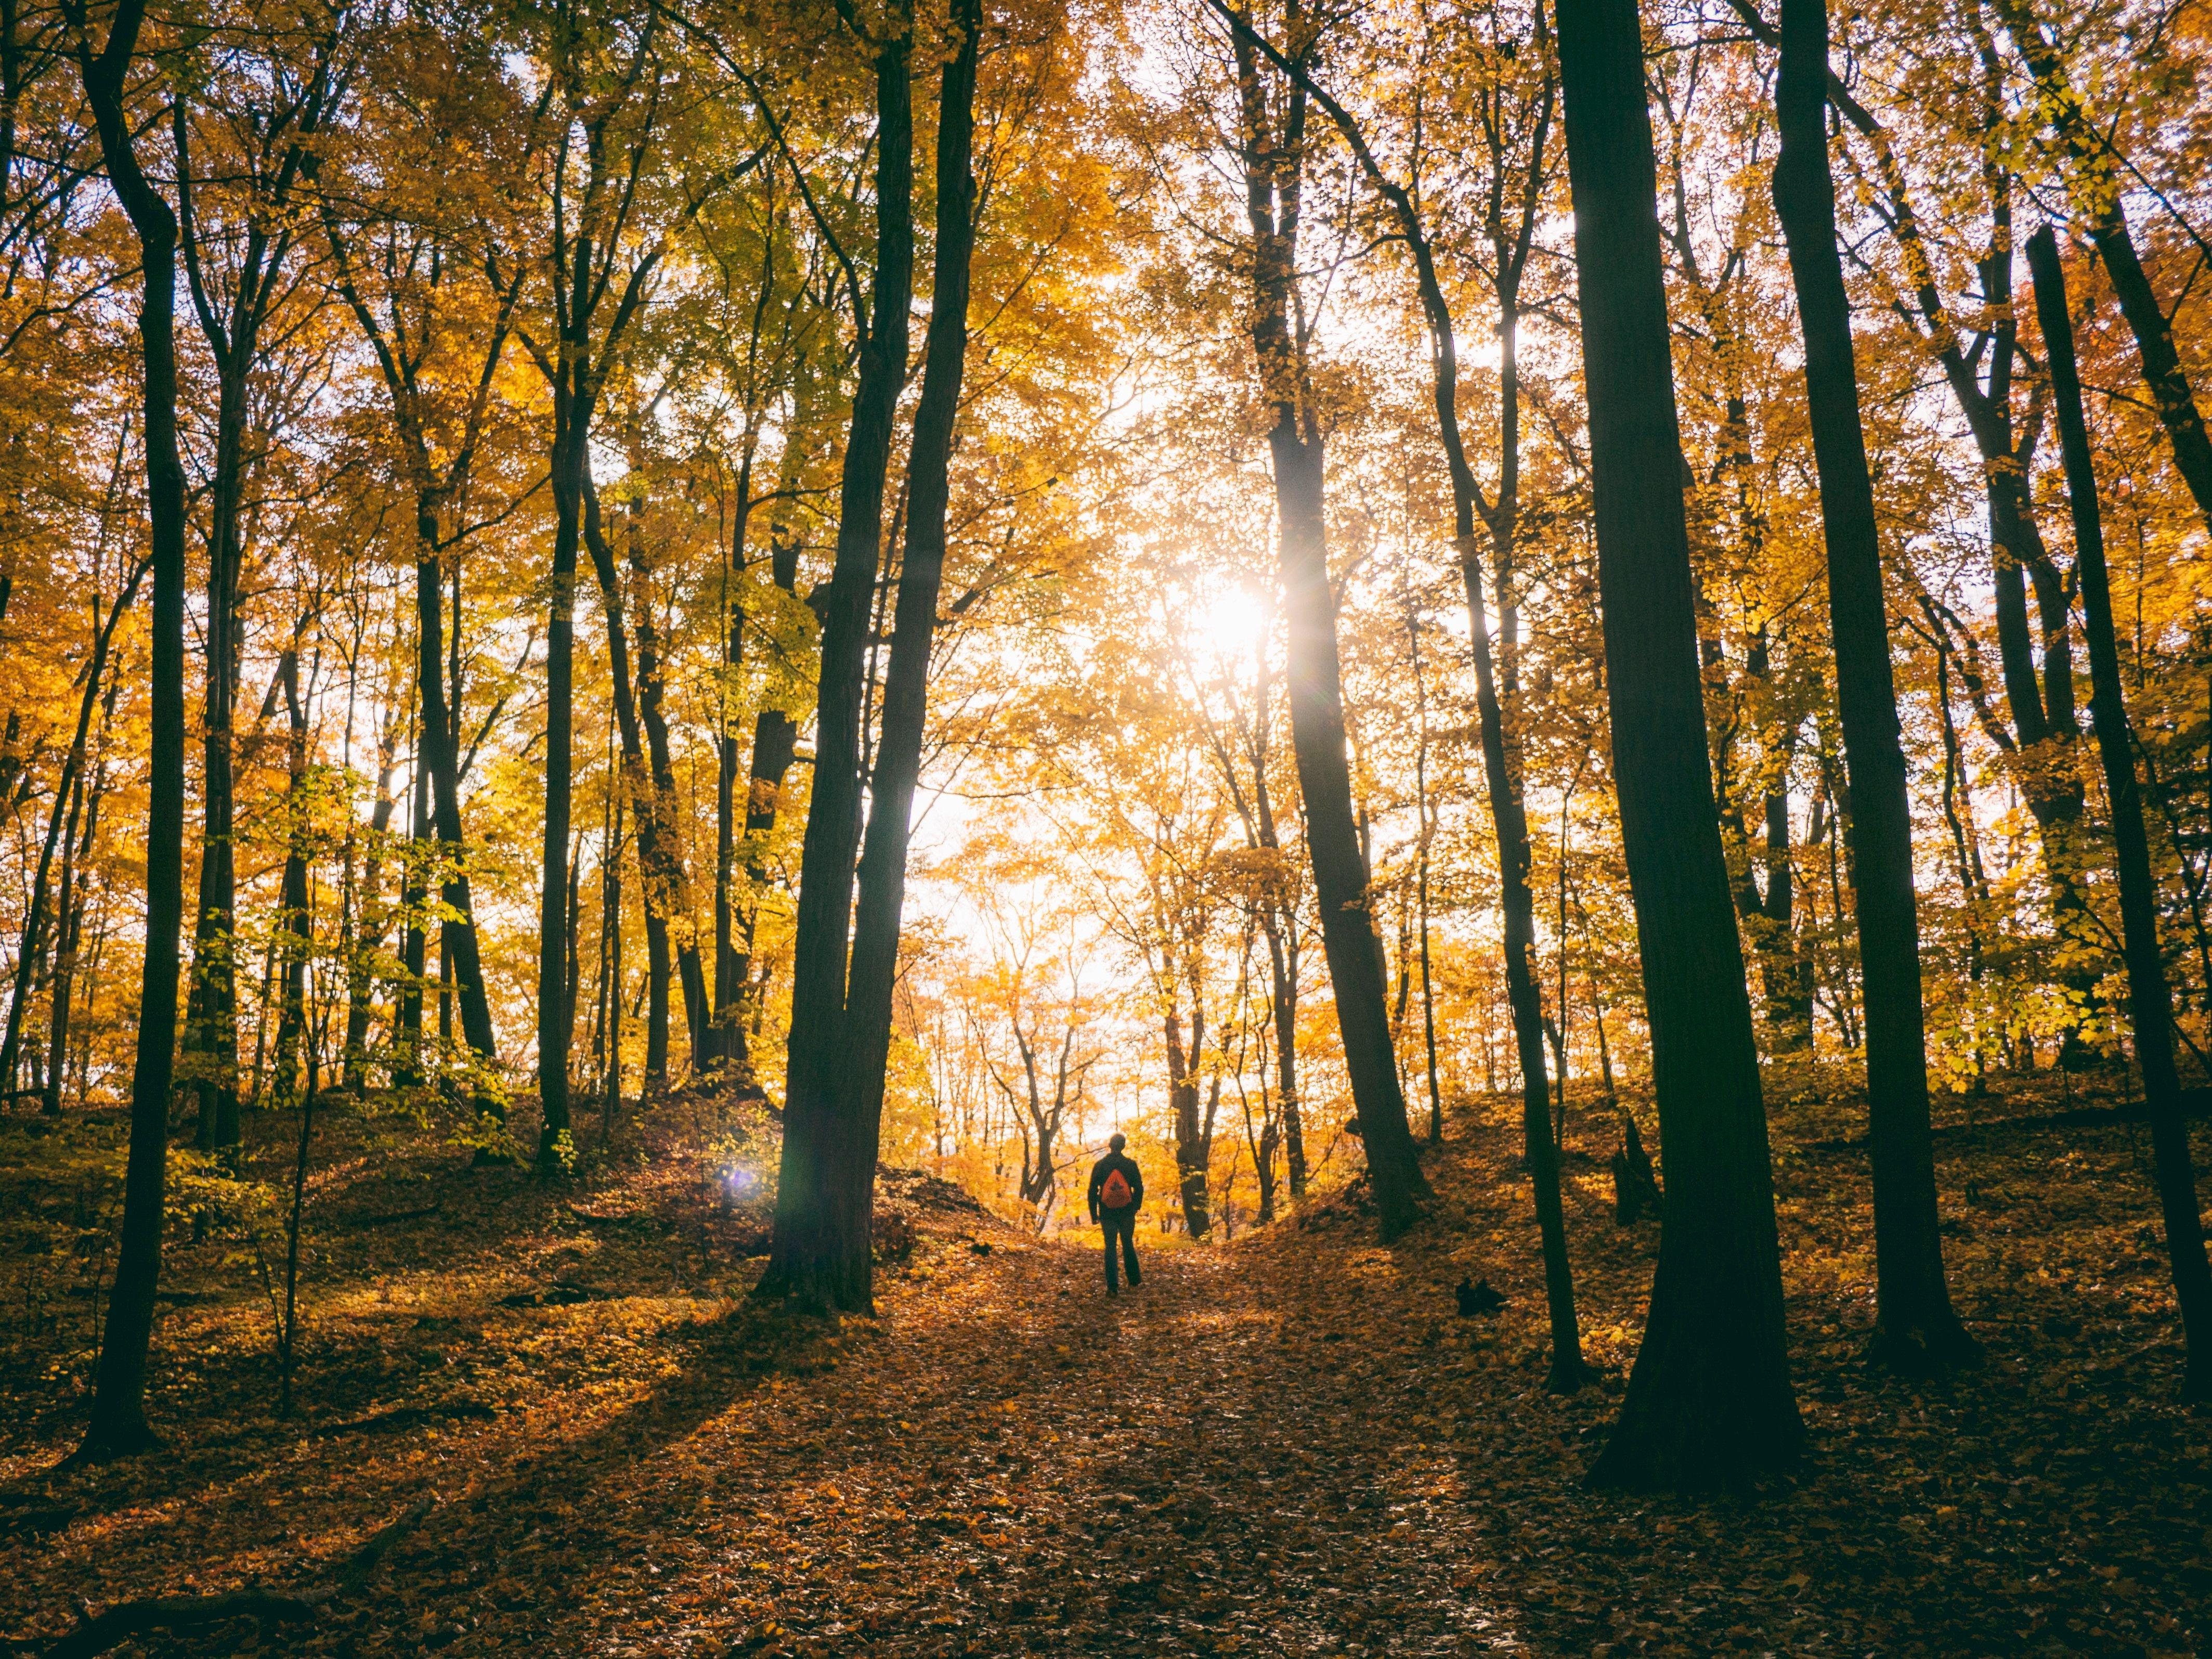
(1115, 1194)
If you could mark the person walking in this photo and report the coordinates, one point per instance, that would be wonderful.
(1117, 1193)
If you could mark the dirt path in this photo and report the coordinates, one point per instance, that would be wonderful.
(1019, 1465)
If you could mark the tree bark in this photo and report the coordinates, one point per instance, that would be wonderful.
(820, 1255)
(369, 934)
(1318, 737)
(234, 343)
(1708, 1402)
(861, 1062)
(1915, 1327)
(117, 1425)
(662, 881)
(32, 947)
(2150, 997)
(556, 1023)
(675, 876)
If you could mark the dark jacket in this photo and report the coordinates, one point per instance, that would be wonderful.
(1130, 1173)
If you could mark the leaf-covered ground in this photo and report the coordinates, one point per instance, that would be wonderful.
(1289, 1445)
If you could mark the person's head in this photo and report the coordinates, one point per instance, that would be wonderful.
(1116, 1143)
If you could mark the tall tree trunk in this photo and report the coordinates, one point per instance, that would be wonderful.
(860, 1062)
(233, 339)
(212, 1023)
(1709, 1402)
(118, 1422)
(1318, 736)
(725, 1035)
(556, 1023)
(1427, 816)
(76, 880)
(2148, 996)
(775, 745)
(610, 1072)
(1914, 1324)
(69, 780)
(820, 1255)
(1283, 1000)
(1192, 1153)
(1508, 818)
(662, 881)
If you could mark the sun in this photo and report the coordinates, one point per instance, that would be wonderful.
(1228, 622)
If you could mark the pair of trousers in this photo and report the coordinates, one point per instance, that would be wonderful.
(1121, 1224)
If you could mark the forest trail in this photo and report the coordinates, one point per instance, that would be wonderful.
(1165, 1471)
(1287, 1445)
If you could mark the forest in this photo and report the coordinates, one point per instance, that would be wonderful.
(659, 657)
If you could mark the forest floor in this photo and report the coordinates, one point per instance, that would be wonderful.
(1287, 1445)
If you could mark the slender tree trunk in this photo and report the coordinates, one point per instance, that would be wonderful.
(611, 922)
(1914, 1325)
(1283, 985)
(2150, 997)
(76, 880)
(661, 879)
(1317, 738)
(1318, 735)
(820, 1256)
(1507, 816)
(775, 745)
(118, 1422)
(437, 757)
(725, 1035)
(211, 1027)
(1709, 1402)
(675, 872)
(1421, 883)
(1191, 1151)
(421, 855)
(293, 921)
(369, 939)
(571, 462)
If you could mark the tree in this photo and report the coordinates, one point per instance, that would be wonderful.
(821, 1254)
(118, 1425)
(1914, 1324)
(1271, 142)
(1508, 818)
(437, 357)
(1708, 1402)
(2148, 996)
(238, 268)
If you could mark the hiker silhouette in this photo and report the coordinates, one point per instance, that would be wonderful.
(1117, 1193)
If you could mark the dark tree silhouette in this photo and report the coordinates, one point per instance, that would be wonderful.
(2149, 998)
(119, 1424)
(1914, 1324)
(1709, 1402)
